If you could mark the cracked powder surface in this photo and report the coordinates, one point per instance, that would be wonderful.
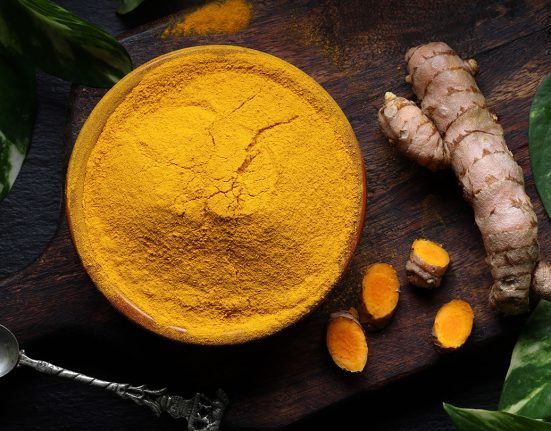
(223, 195)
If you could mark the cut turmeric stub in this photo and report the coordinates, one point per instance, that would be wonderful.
(453, 324)
(354, 313)
(346, 342)
(380, 292)
(427, 263)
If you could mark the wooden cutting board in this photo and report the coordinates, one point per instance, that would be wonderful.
(355, 50)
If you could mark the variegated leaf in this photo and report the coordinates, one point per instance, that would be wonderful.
(527, 387)
(539, 141)
(61, 44)
(17, 108)
(128, 6)
(487, 420)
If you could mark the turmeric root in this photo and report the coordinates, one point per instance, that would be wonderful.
(455, 128)
(427, 263)
(453, 325)
(541, 283)
(380, 292)
(346, 341)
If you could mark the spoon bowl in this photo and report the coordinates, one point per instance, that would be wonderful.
(9, 351)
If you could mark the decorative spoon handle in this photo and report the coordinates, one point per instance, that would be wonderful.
(201, 412)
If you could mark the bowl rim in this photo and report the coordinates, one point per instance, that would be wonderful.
(85, 142)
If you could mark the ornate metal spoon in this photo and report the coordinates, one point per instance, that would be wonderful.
(201, 412)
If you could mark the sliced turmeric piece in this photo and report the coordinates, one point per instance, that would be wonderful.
(427, 263)
(453, 324)
(346, 342)
(380, 292)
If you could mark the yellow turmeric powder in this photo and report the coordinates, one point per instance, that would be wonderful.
(227, 16)
(222, 197)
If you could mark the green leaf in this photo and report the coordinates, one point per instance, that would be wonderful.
(487, 420)
(17, 109)
(128, 6)
(527, 387)
(539, 141)
(61, 44)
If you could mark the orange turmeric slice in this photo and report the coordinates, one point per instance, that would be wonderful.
(453, 325)
(380, 293)
(427, 263)
(346, 342)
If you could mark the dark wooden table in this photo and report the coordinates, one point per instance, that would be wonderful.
(29, 216)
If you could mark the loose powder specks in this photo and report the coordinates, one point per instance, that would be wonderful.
(225, 16)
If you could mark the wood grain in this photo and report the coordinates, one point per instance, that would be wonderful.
(355, 50)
